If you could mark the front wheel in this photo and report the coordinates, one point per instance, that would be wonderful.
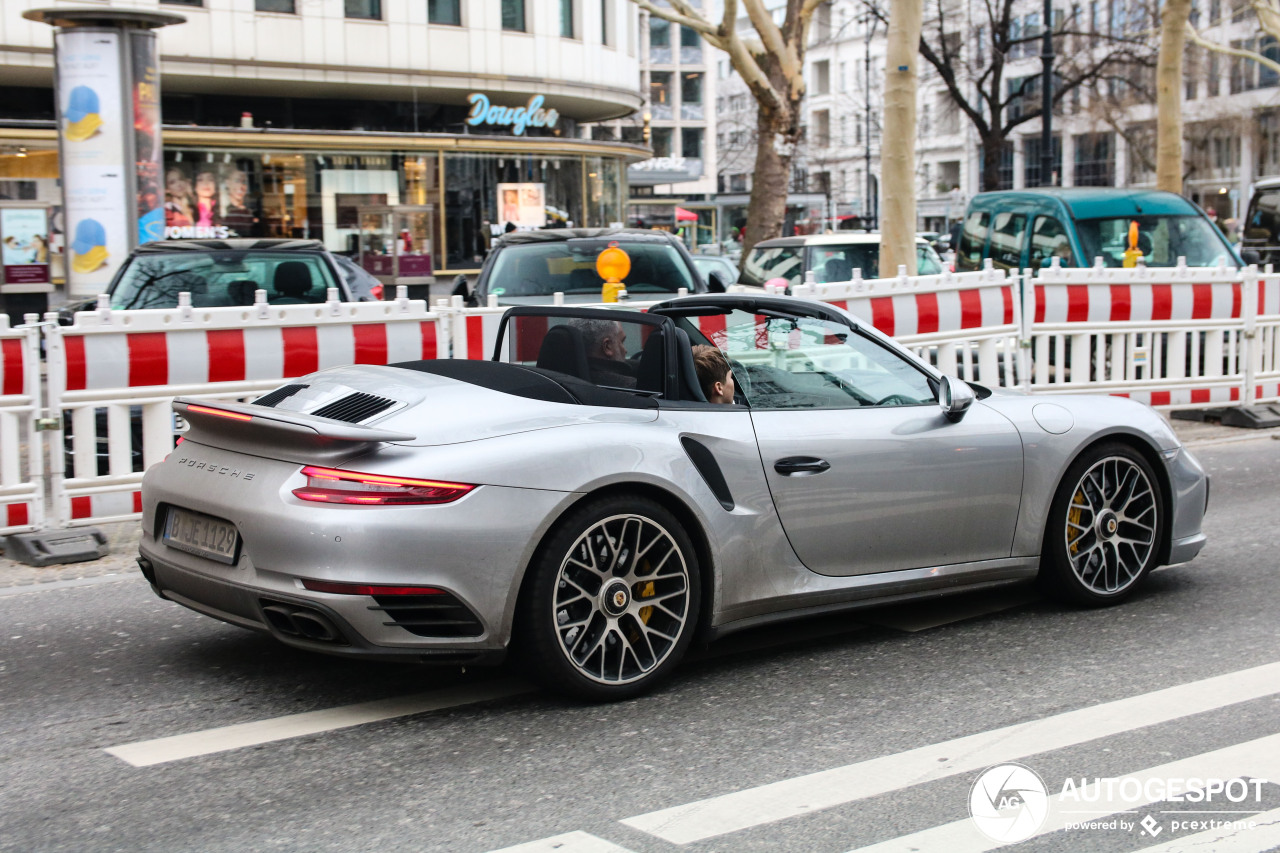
(613, 600)
(1104, 529)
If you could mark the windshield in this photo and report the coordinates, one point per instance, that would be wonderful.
(222, 278)
(569, 267)
(1162, 239)
(832, 262)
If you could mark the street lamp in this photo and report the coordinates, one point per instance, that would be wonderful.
(1046, 99)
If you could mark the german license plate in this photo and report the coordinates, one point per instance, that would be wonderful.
(200, 534)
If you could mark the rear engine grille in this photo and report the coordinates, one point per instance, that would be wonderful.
(440, 615)
(282, 393)
(354, 408)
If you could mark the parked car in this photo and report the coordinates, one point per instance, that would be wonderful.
(1026, 229)
(530, 267)
(228, 272)
(1261, 231)
(832, 257)
(708, 264)
(595, 518)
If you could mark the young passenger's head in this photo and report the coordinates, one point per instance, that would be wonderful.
(714, 374)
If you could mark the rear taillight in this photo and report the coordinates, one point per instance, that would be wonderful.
(331, 485)
(368, 589)
(221, 413)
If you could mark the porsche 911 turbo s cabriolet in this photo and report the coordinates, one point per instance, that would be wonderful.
(577, 500)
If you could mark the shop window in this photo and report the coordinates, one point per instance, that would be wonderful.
(283, 6)
(363, 9)
(445, 12)
(566, 19)
(513, 15)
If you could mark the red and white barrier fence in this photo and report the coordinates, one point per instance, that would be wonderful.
(1170, 337)
(113, 375)
(21, 453)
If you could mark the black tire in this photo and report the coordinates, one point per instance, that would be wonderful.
(581, 622)
(1105, 527)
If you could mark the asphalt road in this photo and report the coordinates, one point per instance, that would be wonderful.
(221, 739)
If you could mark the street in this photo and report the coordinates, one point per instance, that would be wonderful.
(131, 723)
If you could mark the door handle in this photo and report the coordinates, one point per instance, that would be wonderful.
(800, 465)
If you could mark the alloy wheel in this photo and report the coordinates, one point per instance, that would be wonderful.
(1111, 525)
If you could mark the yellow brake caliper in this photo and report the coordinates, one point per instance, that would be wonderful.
(1073, 516)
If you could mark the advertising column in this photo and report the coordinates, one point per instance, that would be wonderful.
(108, 98)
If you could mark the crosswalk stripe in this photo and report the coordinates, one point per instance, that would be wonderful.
(1228, 839)
(1256, 758)
(148, 752)
(788, 798)
(570, 842)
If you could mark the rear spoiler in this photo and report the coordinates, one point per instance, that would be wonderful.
(258, 430)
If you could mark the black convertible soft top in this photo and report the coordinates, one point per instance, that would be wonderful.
(535, 383)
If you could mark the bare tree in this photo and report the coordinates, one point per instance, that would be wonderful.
(972, 59)
(772, 66)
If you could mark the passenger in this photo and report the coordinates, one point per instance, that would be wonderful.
(714, 374)
(606, 345)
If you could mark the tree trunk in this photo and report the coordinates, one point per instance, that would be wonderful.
(1173, 38)
(775, 144)
(992, 154)
(898, 147)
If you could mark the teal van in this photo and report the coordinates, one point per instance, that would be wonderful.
(1026, 229)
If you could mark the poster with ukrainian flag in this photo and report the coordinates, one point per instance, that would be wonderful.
(93, 126)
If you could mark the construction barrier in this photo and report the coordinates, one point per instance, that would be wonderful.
(1180, 337)
(1170, 337)
(113, 375)
(21, 454)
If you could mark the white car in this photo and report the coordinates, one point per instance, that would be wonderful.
(832, 257)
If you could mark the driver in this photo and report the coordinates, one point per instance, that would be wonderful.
(606, 344)
(714, 374)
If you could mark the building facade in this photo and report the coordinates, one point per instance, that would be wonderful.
(284, 118)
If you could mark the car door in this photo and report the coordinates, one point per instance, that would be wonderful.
(866, 472)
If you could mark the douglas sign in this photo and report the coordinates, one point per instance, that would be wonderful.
(517, 118)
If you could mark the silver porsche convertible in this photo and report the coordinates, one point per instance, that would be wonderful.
(578, 502)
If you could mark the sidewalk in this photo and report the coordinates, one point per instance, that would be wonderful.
(123, 538)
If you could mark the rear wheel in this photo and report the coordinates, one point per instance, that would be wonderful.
(613, 600)
(1105, 527)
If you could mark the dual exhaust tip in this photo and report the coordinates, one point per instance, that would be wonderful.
(294, 621)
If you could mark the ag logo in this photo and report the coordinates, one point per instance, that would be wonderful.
(1008, 803)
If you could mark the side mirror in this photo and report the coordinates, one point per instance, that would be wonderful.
(1250, 256)
(461, 287)
(718, 281)
(955, 397)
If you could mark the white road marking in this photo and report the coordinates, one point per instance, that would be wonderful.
(149, 752)
(1256, 758)
(1228, 839)
(570, 842)
(788, 798)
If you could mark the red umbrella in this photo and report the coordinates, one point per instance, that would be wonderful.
(683, 215)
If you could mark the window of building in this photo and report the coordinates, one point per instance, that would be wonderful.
(659, 32)
(691, 95)
(691, 143)
(661, 141)
(842, 79)
(948, 114)
(606, 22)
(1215, 12)
(820, 129)
(513, 15)
(444, 12)
(283, 6)
(1005, 181)
(566, 19)
(660, 94)
(1212, 81)
(183, 2)
(1267, 76)
(1031, 154)
(370, 10)
(822, 77)
(1190, 63)
(690, 45)
(1095, 160)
